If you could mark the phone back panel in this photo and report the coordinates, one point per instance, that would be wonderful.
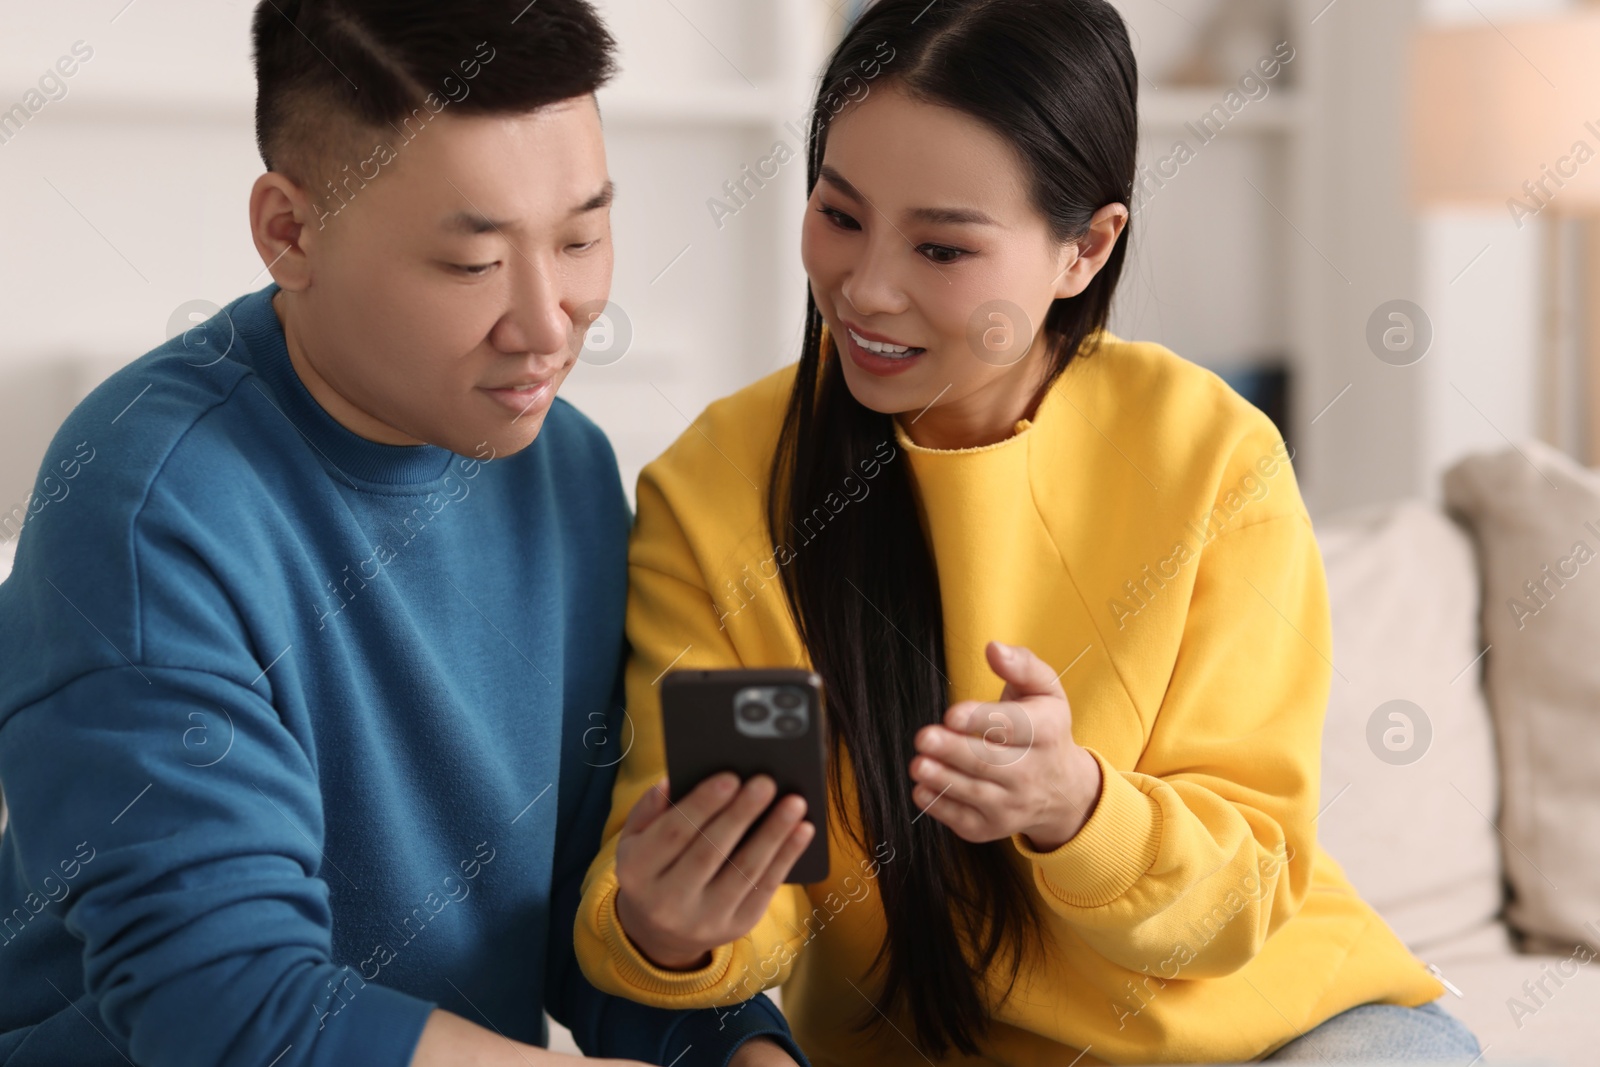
(752, 721)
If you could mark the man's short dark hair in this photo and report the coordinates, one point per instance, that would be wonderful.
(336, 77)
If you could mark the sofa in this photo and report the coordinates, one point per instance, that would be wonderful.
(1461, 749)
(1430, 800)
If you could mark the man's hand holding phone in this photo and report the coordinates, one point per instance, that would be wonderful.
(687, 884)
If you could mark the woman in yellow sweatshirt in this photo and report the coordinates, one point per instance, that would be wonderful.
(1063, 593)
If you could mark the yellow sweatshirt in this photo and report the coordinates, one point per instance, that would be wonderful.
(1145, 535)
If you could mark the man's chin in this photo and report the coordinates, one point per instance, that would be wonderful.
(494, 436)
(490, 422)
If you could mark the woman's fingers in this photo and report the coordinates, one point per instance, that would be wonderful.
(939, 778)
(1017, 723)
(680, 893)
(754, 903)
(984, 750)
(702, 859)
(663, 842)
(639, 857)
(967, 821)
(1024, 672)
(744, 870)
(647, 808)
(783, 860)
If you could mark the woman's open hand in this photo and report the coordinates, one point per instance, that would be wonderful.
(995, 768)
(683, 889)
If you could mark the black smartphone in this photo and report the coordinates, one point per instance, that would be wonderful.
(750, 722)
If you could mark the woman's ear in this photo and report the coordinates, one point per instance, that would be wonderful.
(1082, 259)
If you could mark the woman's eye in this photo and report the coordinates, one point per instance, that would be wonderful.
(584, 247)
(475, 270)
(839, 218)
(942, 254)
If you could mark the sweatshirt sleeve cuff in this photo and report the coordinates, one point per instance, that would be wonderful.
(380, 1025)
(635, 969)
(1116, 846)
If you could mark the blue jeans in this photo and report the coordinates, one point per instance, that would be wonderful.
(1369, 1032)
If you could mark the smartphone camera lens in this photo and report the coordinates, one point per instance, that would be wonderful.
(772, 711)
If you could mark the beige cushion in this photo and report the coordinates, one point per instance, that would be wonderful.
(1550, 1019)
(1411, 824)
(1533, 508)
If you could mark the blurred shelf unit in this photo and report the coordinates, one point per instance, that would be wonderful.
(1221, 264)
(710, 208)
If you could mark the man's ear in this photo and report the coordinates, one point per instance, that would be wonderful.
(282, 223)
(1082, 259)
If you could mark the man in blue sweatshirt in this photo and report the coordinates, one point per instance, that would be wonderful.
(309, 688)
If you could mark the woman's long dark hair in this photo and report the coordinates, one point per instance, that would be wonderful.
(1057, 79)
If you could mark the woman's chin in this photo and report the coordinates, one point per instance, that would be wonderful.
(886, 396)
(891, 394)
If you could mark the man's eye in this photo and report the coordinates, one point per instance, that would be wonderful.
(585, 246)
(473, 269)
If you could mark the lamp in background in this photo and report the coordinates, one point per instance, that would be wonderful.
(1508, 116)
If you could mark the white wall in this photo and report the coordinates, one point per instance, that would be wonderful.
(124, 199)
(1479, 385)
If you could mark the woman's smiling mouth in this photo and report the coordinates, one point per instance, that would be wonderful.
(878, 355)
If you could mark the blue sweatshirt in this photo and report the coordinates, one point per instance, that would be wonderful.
(303, 734)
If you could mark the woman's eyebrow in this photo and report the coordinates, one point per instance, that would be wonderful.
(950, 216)
(837, 180)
